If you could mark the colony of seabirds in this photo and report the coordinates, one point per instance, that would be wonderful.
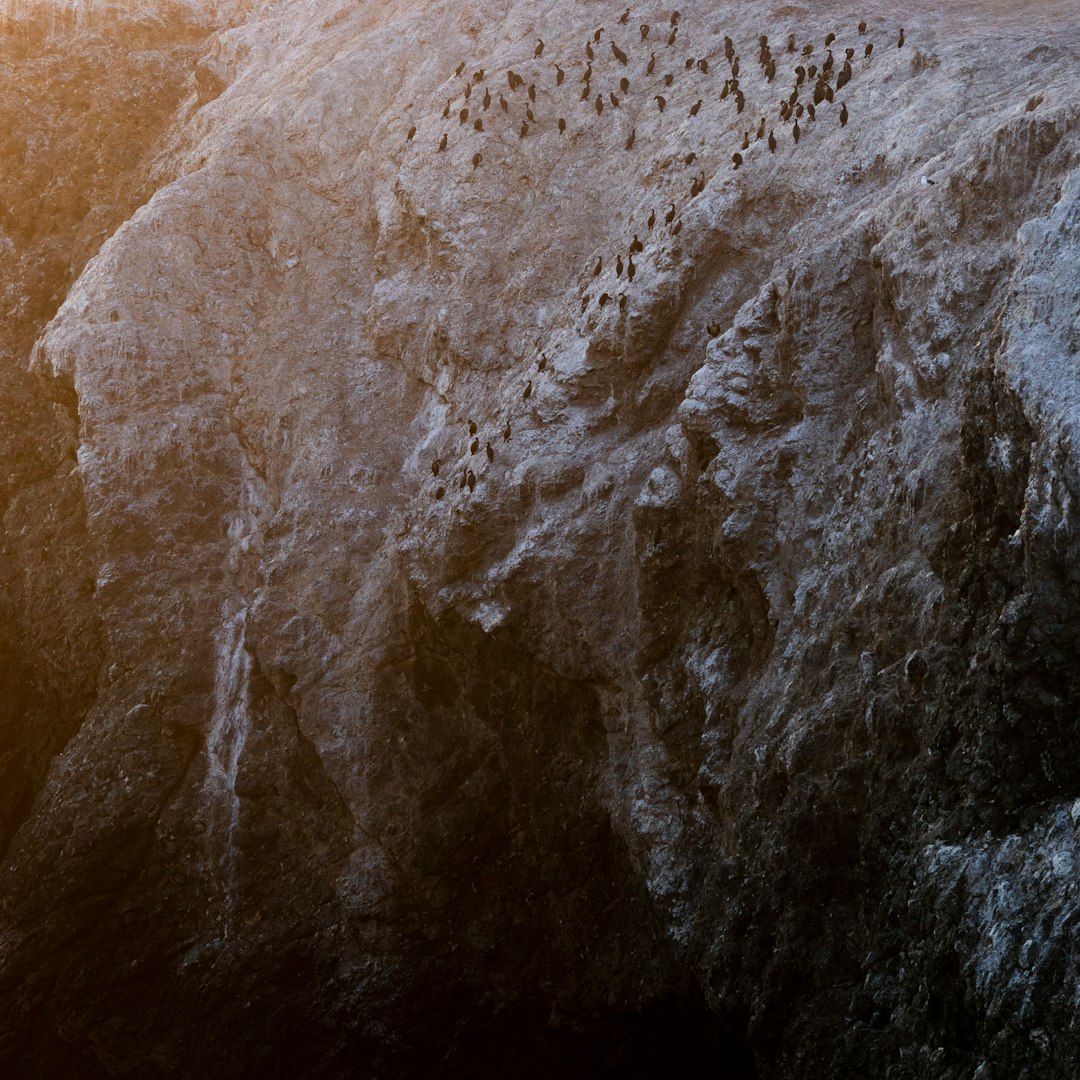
(639, 62)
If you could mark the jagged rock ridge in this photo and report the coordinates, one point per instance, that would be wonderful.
(715, 692)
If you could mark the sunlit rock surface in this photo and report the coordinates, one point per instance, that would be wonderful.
(439, 639)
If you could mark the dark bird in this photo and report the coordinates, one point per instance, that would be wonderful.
(735, 67)
(503, 104)
(652, 65)
(559, 75)
(618, 53)
(542, 363)
(442, 143)
(614, 101)
(698, 186)
(677, 228)
(624, 17)
(585, 92)
(463, 115)
(811, 112)
(650, 221)
(703, 65)
(669, 78)
(843, 115)
(726, 90)
(763, 41)
(446, 111)
(675, 17)
(599, 104)
(791, 43)
(794, 97)
(828, 65)
(587, 75)
(900, 40)
(602, 299)
(761, 129)
(598, 268)
(660, 101)
(689, 62)
(514, 80)
(624, 84)
(468, 91)
(459, 69)
(532, 91)
(412, 132)
(690, 158)
(644, 31)
(746, 140)
(630, 139)
(436, 465)
(772, 142)
(842, 80)
(622, 302)
(440, 491)
(696, 107)
(795, 132)
(631, 269)
(472, 480)
(819, 93)
(476, 159)
(584, 303)
(475, 445)
(636, 245)
(669, 217)
(770, 71)
(562, 125)
(671, 37)
(869, 48)
(588, 50)
(800, 75)
(729, 49)
(829, 93)
(507, 432)
(737, 159)
(539, 50)
(740, 101)
(811, 71)
(846, 69)
(862, 27)
(490, 451)
(785, 111)
(829, 39)
(808, 49)
(799, 110)
(596, 36)
(487, 99)
(849, 53)
(618, 266)
(478, 125)
(528, 390)
(472, 427)
(523, 130)
(464, 480)
(478, 76)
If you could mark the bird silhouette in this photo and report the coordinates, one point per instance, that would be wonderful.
(539, 50)
(559, 75)
(660, 101)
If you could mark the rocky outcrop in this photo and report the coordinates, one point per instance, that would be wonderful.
(514, 589)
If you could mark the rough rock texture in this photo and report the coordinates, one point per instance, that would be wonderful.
(719, 700)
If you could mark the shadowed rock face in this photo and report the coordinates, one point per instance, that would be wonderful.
(715, 694)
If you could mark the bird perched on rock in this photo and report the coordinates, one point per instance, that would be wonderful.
(631, 269)
(624, 84)
(599, 104)
(630, 139)
(446, 111)
(596, 35)
(669, 78)
(602, 299)
(671, 36)
(471, 480)
(772, 142)
(490, 451)
(675, 17)
(737, 159)
(507, 432)
(468, 91)
(618, 266)
(811, 111)
(900, 40)
(644, 31)
(411, 133)
(795, 132)
(624, 17)
(660, 100)
(514, 80)
(472, 427)
(504, 104)
(478, 124)
(862, 27)
(669, 217)
(476, 159)
(459, 69)
(614, 101)
(440, 491)
(651, 65)
(696, 107)
(562, 125)
(585, 92)
(791, 43)
(843, 115)
(532, 91)
(478, 76)
(829, 39)
(528, 390)
(436, 465)
(650, 221)
(539, 50)
(618, 53)
(559, 75)
(474, 446)
(598, 268)
(746, 140)
(589, 50)
(636, 245)
(442, 143)
(869, 48)
(676, 228)
(524, 129)
(487, 99)
(690, 158)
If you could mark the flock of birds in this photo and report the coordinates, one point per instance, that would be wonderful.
(635, 67)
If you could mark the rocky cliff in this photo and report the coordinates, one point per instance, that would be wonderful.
(540, 540)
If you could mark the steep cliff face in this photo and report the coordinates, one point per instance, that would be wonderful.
(524, 588)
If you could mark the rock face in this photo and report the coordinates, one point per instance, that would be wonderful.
(444, 637)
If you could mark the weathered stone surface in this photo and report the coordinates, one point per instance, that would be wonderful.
(718, 699)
